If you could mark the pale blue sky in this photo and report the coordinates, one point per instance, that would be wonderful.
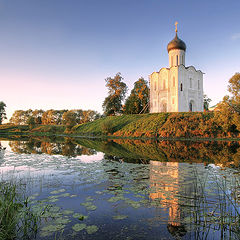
(57, 53)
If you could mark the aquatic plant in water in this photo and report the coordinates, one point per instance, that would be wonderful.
(18, 220)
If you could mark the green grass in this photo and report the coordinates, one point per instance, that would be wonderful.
(5, 128)
(55, 129)
(96, 127)
(123, 125)
(17, 220)
(158, 125)
(186, 125)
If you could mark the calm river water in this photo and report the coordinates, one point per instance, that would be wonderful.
(128, 189)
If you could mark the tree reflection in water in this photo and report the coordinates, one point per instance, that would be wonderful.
(65, 147)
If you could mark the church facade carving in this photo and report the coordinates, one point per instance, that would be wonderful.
(177, 88)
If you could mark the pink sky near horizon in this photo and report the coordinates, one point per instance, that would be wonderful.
(56, 55)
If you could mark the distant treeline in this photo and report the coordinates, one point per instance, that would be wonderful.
(52, 117)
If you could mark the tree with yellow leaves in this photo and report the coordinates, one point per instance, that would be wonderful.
(138, 100)
(117, 89)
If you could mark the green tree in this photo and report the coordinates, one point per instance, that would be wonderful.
(138, 99)
(228, 114)
(117, 89)
(2, 112)
(206, 101)
(69, 119)
(234, 89)
(20, 117)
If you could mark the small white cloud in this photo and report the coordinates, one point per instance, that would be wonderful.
(236, 36)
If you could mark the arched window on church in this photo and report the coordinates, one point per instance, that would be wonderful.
(190, 83)
(198, 84)
(173, 82)
(191, 103)
(155, 85)
(181, 87)
(182, 60)
(177, 60)
(171, 61)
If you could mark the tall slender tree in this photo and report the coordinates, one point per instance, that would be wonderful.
(2, 112)
(117, 89)
(206, 101)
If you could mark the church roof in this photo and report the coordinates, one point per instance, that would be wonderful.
(176, 43)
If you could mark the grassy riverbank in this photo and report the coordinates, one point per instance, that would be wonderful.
(158, 125)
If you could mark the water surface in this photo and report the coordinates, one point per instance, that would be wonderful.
(128, 189)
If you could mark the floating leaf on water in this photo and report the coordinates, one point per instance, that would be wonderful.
(67, 212)
(64, 195)
(73, 195)
(80, 216)
(89, 199)
(116, 198)
(91, 207)
(53, 200)
(52, 197)
(144, 201)
(132, 203)
(54, 209)
(58, 191)
(45, 233)
(86, 204)
(92, 229)
(99, 192)
(62, 221)
(119, 217)
(79, 227)
(53, 228)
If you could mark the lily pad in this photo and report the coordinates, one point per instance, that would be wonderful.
(73, 195)
(53, 228)
(89, 199)
(62, 220)
(92, 229)
(80, 216)
(53, 200)
(91, 207)
(116, 198)
(67, 212)
(119, 217)
(58, 191)
(79, 227)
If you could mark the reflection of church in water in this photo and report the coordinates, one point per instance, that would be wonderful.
(177, 88)
(167, 184)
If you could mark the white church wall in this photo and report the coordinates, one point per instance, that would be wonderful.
(153, 92)
(176, 57)
(192, 91)
(163, 90)
(173, 89)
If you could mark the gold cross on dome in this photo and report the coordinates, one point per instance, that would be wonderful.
(176, 23)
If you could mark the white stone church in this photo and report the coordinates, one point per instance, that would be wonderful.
(177, 88)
